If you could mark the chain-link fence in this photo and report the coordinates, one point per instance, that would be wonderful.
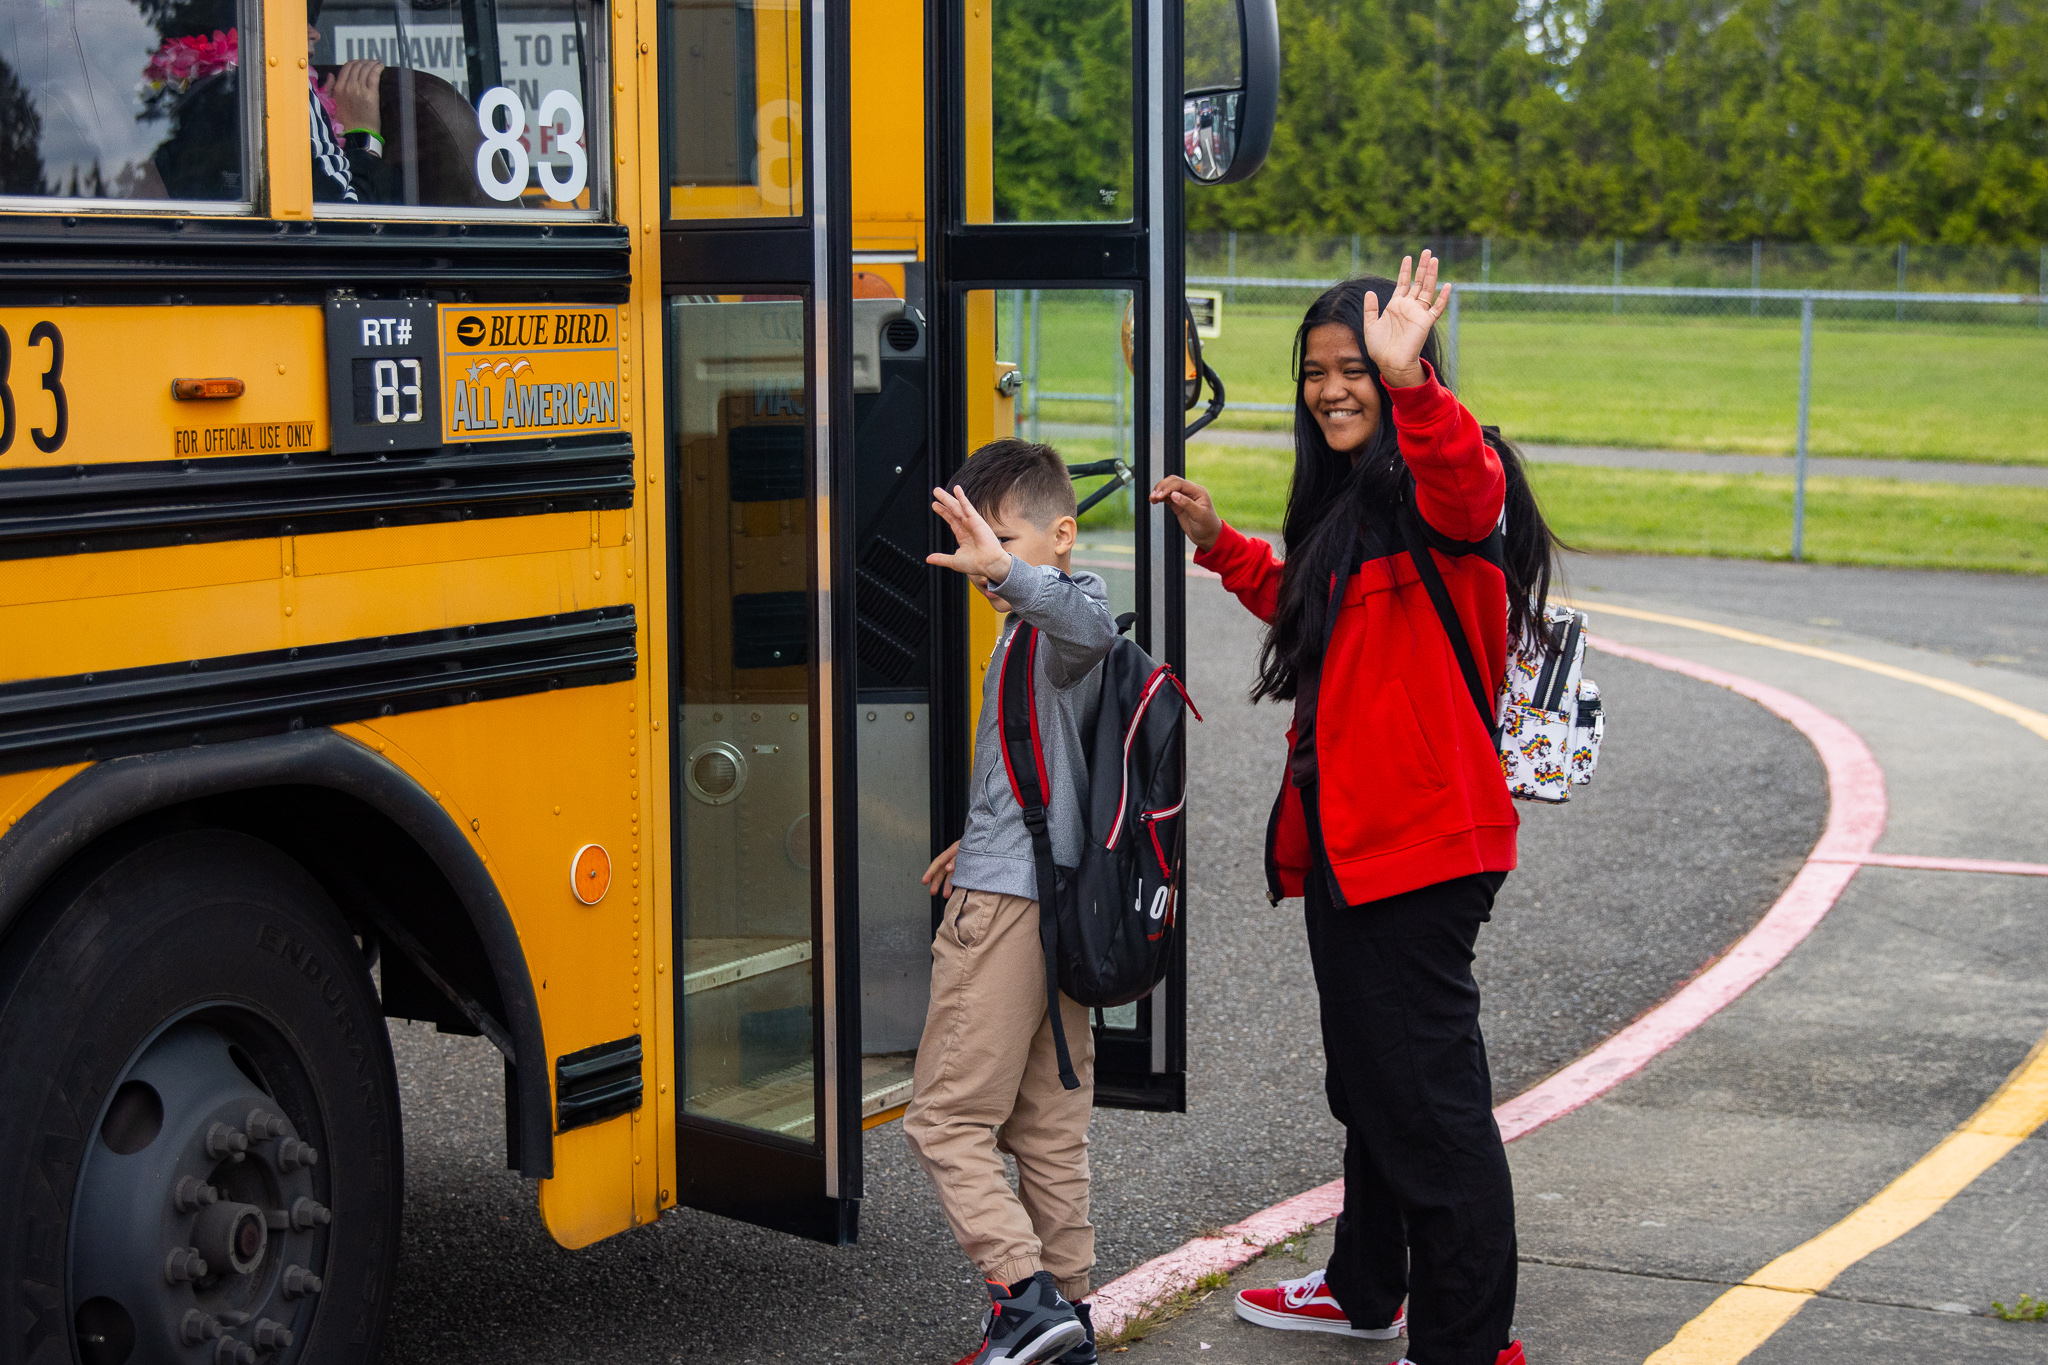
(1921, 353)
(1749, 347)
(1760, 279)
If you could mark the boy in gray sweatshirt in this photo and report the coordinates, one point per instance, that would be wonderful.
(987, 1078)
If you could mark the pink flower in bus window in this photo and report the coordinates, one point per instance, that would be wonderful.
(181, 62)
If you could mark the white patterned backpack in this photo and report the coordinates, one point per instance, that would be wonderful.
(1545, 717)
(1550, 718)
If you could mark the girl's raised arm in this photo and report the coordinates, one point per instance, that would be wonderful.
(1249, 568)
(1192, 506)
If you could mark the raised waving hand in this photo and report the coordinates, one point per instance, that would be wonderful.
(980, 556)
(1395, 331)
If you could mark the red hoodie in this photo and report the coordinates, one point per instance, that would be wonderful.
(1409, 783)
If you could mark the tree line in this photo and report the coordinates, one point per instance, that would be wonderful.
(1826, 121)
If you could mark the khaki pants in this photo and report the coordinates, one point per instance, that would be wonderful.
(988, 1082)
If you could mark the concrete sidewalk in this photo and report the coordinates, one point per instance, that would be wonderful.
(1620, 457)
(1884, 1030)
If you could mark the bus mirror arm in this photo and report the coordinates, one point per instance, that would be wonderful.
(1120, 474)
(1202, 372)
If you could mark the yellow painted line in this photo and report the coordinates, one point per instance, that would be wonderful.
(1748, 1315)
(1745, 1317)
(2027, 716)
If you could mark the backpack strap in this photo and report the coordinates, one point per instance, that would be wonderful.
(1440, 598)
(1024, 761)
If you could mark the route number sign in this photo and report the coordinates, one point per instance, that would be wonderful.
(383, 375)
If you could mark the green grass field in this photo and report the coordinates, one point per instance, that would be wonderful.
(1746, 516)
(1928, 393)
(1913, 392)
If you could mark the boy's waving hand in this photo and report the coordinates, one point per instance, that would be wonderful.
(980, 554)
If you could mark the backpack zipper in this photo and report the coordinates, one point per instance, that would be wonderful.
(1557, 669)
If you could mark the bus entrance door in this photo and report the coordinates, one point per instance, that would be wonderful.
(1054, 279)
(759, 418)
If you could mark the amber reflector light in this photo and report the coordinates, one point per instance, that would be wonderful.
(185, 390)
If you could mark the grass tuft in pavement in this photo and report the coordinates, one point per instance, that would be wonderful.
(2028, 1309)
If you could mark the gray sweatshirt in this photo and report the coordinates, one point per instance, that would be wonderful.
(1075, 633)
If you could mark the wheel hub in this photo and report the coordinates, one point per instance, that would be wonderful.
(198, 1234)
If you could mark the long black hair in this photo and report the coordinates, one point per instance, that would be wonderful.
(1333, 495)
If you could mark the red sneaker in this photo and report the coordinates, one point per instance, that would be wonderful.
(1511, 1356)
(1305, 1305)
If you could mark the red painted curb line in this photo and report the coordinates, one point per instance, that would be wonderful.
(1856, 817)
(1920, 864)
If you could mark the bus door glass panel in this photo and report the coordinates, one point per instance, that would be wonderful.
(1069, 352)
(1048, 111)
(478, 105)
(124, 100)
(1055, 365)
(740, 422)
(733, 95)
(893, 478)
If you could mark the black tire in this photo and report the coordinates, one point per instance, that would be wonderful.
(126, 995)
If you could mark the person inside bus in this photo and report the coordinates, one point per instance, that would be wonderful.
(1393, 821)
(347, 128)
(988, 1078)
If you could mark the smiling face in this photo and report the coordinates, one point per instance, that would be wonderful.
(1338, 387)
(1028, 543)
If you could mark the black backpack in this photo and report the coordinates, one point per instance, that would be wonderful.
(1108, 926)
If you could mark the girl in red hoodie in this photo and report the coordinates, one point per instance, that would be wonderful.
(1393, 822)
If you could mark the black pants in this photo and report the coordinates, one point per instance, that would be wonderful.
(1429, 1210)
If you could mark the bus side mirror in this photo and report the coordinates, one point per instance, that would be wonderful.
(1231, 76)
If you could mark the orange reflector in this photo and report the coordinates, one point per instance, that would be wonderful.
(185, 390)
(590, 873)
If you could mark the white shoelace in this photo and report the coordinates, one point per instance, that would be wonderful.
(1295, 1293)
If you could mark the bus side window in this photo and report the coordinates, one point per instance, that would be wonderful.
(121, 99)
(443, 106)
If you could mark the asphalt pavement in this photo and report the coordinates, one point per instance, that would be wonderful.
(1980, 618)
(1843, 1070)
(1621, 896)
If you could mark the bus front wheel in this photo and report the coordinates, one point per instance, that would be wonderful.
(200, 1151)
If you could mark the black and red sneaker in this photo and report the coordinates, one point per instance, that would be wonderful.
(1027, 1322)
(1084, 1354)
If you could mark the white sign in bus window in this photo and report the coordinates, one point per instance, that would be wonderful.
(533, 121)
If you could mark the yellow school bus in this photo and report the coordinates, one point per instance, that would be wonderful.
(464, 475)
